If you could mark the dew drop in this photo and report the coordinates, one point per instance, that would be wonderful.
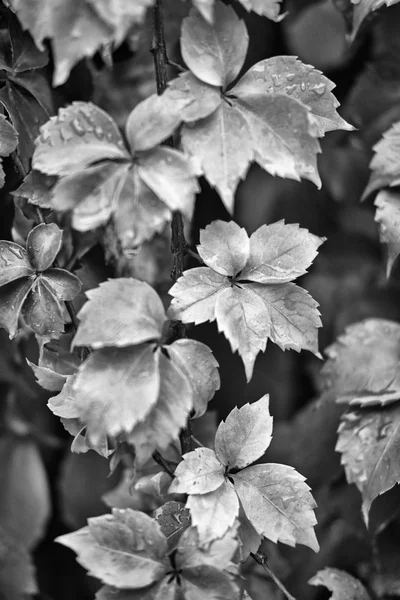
(290, 76)
(303, 86)
(78, 127)
(99, 132)
(290, 89)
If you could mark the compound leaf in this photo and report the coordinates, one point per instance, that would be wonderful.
(280, 253)
(342, 585)
(197, 362)
(200, 472)
(43, 244)
(80, 135)
(224, 247)
(369, 442)
(245, 435)
(129, 310)
(363, 365)
(14, 262)
(388, 216)
(214, 513)
(278, 503)
(214, 52)
(116, 388)
(125, 549)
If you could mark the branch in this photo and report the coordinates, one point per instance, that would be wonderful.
(163, 463)
(262, 560)
(178, 241)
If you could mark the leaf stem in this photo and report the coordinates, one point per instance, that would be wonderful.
(178, 241)
(163, 463)
(262, 560)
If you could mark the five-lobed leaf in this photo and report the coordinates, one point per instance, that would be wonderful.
(363, 364)
(369, 442)
(342, 585)
(245, 435)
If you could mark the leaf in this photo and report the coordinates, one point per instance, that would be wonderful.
(225, 40)
(294, 316)
(169, 415)
(195, 295)
(173, 519)
(208, 583)
(289, 76)
(43, 244)
(125, 549)
(242, 317)
(204, 98)
(80, 135)
(264, 8)
(388, 216)
(363, 365)
(116, 388)
(95, 23)
(362, 8)
(214, 513)
(221, 553)
(8, 137)
(369, 443)
(36, 188)
(280, 253)
(46, 378)
(12, 298)
(129, 310)
(171, 176)
(245, 435)
(154, 120)
(278, 504)
(14, 263)
(250, 540)
(342, 585)
(205, 8)
(197, 362)
(224, 247)
(43, 311)
(63, 284)
(200, 472)
(162, 590)
(385, 163)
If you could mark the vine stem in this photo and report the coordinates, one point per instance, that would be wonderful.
(178, 241)
(261, 560)
(42, 220)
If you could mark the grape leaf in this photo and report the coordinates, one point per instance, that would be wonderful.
(245, 435)
(116, 388)
(369, 443)
(125, 550)
(43, 244)
(342, 585)
(129, 310)
(249, 313)
(197, 362)
(362, 8)
(278, 503)
(169, 415)
(94, 23)
(14, 263)
(25, 92)
(199, 472)
(388, 216)
(277, 117)
(214, 513)
(363, 364)
(385, 163)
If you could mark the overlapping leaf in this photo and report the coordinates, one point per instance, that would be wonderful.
(131, 385)
(25, 92)
(369, 441)
(362, 8)
(272, 116)
(388, 216)
(274, 498)
(385, 164)
(30, 287)
(93, 23)
(246, 288)
(8, 143)
(264, 8)
(99, 177)
(128, 551)
(363, 364)
(342, 585)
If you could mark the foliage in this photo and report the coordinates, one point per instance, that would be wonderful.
(131, 243)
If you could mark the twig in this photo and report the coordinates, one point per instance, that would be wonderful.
(163, 463)
(178, 241)
(261, 560)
